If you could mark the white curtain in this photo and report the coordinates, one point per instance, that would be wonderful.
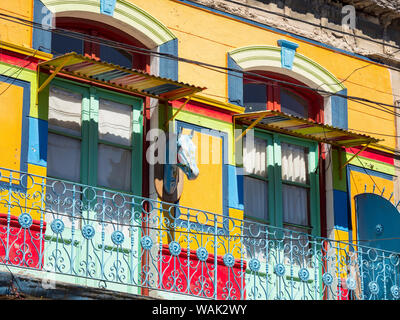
(255, 190)
(114, 167)
(115, 122)
(63, 157)
(295, 205)
(255, 198)
(255, 157)
(294, 163)
(65, 110)
(294, 198)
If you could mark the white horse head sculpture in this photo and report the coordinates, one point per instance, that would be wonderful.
(186, 161)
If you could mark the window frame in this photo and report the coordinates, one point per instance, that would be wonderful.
(96, 29)
(273, 100)
(275, 181)
(90, 133)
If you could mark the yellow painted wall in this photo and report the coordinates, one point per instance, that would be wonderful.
(208, 37)
(12, 32)
(11, 106)
(207, 187)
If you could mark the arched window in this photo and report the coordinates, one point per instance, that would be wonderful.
(63, 44)
(280, 182)
(93, 132)
(263, 94)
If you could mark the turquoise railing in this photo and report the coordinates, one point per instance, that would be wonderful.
(82, 235)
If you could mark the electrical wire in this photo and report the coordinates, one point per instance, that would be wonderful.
(149, 52)
(19, 71)
(314, 24)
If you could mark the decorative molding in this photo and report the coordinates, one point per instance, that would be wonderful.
(288, 51)
(268, 58)
(126, 16)
(107, 7)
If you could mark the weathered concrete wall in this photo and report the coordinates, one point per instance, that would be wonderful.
(377, 32)
(19, 286)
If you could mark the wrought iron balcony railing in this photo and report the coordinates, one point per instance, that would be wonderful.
(80, 234)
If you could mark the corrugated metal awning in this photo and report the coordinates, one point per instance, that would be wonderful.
(135, 81)
(302, 128)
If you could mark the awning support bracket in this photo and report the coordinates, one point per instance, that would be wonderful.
(54, 74)
(355, 155)
(250, 127)
(179, 110)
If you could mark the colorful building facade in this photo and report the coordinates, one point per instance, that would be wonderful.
(293, 215)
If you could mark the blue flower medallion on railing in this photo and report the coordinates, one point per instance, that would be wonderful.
(379, 228)
(202, 254)
(117, 237)
(174, 248)
(327, 278)
(57, 226)
(254, 265)
(304, 274)
(373, 287)
(25, 220)
(88, 232)
(229, 260)
(146, 243)
(394, 260)
(351, 284)
(279, 269)
(395, 291)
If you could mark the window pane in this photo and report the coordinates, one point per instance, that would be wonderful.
(255, 157)
(62, 44)
(63, 157)
(115, 122)
(295, 205)
(65, 110)
(294, 163)
(255, 198)
(254, 97)
(114, 167)
(293, 104)
(116, 56)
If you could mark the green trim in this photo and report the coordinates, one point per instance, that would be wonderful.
(207, 122)
(89, 132)
(338, 184)
(372, 164)
(274, 163)
(259, 56)
(12, 71)
(124, 11)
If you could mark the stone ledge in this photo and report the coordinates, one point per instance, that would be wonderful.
(20, 286)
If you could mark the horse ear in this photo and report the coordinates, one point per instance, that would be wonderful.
(180, 130)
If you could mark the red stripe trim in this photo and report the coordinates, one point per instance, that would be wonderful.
(204, 110)
(18, 60)
(373, 154)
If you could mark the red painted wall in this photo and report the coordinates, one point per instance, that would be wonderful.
(25, 246)
(197, 278)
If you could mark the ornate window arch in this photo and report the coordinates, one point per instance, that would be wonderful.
(118, 14)
(284, 60)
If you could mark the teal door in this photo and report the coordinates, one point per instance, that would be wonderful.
(378, 236)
